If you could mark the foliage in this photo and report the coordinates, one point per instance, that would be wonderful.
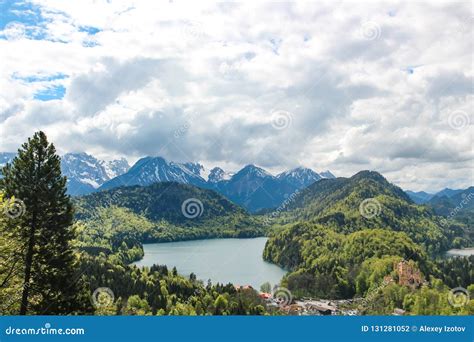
(335, 203)
(43, 226)
(118, 221)
(158, 291)
(329, 248)
(455, 271)
(429, 299)
(325, 263)
(11, 265)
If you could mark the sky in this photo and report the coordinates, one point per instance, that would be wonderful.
(344, 86)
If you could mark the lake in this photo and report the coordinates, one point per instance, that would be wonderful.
(461, 252)
(238, 261)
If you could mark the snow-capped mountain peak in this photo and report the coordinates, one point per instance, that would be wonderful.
(116, 167)
(198, 169)
(299, 177)
(255, 171)
(86, 173)
(150, 170)
(218, 175)
(326, 174)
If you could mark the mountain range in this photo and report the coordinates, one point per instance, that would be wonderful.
(252, 187)
(422, 197)
(85, 173)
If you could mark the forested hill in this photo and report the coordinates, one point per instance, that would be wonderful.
(328, 264)
(368, 201)
(119, 220)
(345, 237)
(325, 193)
(459, 205)
(163, 201)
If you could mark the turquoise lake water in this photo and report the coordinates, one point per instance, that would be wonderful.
(238, 261)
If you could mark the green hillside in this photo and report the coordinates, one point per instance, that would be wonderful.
(121, 219)
(458, 207)
(340, 238)
(337, 204)
(325, 263)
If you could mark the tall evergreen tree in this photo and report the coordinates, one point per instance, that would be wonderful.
(51, 281)
(11, 270)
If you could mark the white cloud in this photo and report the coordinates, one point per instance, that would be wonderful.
(368, 86)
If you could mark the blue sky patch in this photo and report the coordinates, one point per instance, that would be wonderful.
(89, 29)
(40, 78)
(25, 17)
(51, 93)
(23, 12)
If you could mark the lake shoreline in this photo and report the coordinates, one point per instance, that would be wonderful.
(225, 260)
(462, 252)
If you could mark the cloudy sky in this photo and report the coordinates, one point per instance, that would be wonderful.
(341, 86)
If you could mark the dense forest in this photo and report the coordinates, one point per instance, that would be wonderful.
(343, 250)
(336, 203)
(119, 221)
(73, 256)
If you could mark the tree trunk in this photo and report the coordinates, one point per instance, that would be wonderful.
(28, 266)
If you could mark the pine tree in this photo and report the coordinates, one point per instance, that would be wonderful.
(11, 271)
(51, 281)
